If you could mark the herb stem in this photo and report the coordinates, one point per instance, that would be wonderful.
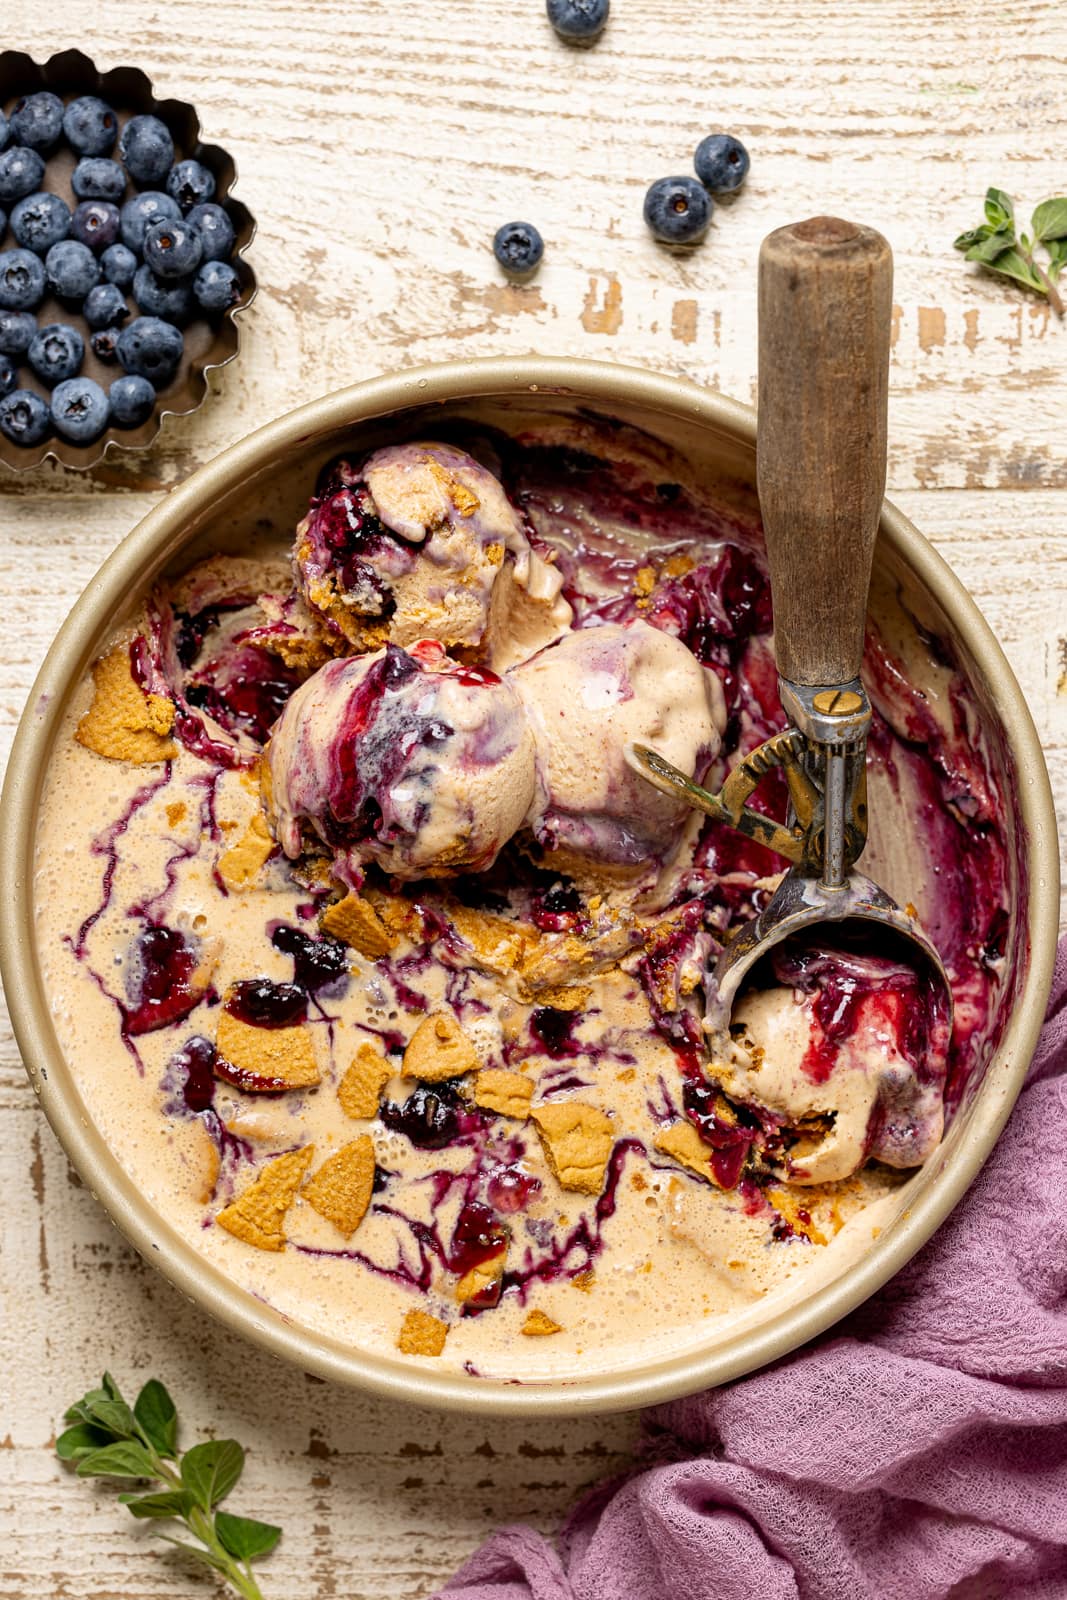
(1055, 299)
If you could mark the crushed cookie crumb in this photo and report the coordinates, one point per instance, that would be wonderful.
(124, 723)
(176, 812)
(265, 1060)
(498, 945)
(577, 1140)
(584, 1280)
(421, 1335)
(439, 1049)
(341, 1189)
(360, 1090)
(355, 922)
(507, 1093)
(539, 1325)
(241, 863)
(482, 1279)
(644, 581)
(793, 1209)
(683, 1144)
(257, 1216)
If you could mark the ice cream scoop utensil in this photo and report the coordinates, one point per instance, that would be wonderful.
(825, 308)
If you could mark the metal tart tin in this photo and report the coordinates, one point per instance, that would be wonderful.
(266, 479)
(208, 344)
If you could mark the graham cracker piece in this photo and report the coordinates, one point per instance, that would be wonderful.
(240, 864)
(439, 1049)
(566, 998)
(257, 1216)
(123, 723)
(265, 1060)
(176, 812)
(683, 1144)
(356, 922)
(499, 946)
(204, 1159)
(577, 1141)
(360, 1090)
(507, 1093)
(421, 1335)
(398, 914)
(539, 1325)
(482, 1279)
(789, 1206)
(341, 1189)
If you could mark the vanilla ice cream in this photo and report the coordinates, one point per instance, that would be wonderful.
(410, 760)
(589, 696)
(414, 546)
(847, 1054)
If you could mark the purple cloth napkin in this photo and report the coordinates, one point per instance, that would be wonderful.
(916, 1452)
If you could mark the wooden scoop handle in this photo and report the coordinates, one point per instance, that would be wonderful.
(825, 310)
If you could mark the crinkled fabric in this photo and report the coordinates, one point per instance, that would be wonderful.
(917, 1452)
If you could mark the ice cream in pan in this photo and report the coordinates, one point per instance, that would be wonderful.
(385, 974)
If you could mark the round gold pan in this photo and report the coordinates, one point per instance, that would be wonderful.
(269, 476)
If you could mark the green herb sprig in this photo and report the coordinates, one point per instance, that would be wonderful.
(995, 246)
(110, 1439)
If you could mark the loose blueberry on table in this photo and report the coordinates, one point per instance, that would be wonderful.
(678, 210)
(721, 163)
(519, 248)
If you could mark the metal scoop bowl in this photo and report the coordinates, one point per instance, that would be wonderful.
(825, 307)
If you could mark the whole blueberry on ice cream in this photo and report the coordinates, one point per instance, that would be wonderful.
(590, 695)
(422, 542)
(405, 758)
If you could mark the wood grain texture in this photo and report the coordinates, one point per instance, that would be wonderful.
(380, 146)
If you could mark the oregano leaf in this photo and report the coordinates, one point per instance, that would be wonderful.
(210, 1470)
(1049, 221)
(126, 1458)
(154, 1410)
(1013, 265)
(988, 249)
(164, 1503)
(1000, 208)
(79, 1441)
(245, 1537)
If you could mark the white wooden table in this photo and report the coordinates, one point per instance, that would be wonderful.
(380, 145)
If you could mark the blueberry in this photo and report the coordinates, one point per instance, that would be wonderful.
(22, 280)
(3, 221)
(172, 301)
(578, 21)
(105, 306)
(37, 120)
(17, 328)
(215, 229)
(5, 129)
(518, 247)
(96, 178)
(721, 163)
(90, 126)
(190, 183)
(56, 352)
(216, 286)
(21, 171)
(95, 224)
(151, 349)
(133, 400)
(118, 265)
(678, 210)
(172, 248)
(9, 375)
(80, 410)
(147, 149)
(105, 342)
(24, 417)
(40, 220)
(72, 269)
(137, 213)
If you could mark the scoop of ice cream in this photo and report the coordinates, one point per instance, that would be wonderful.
(408, 759)
(414, 545)
(589, 696)
(848, 1053)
